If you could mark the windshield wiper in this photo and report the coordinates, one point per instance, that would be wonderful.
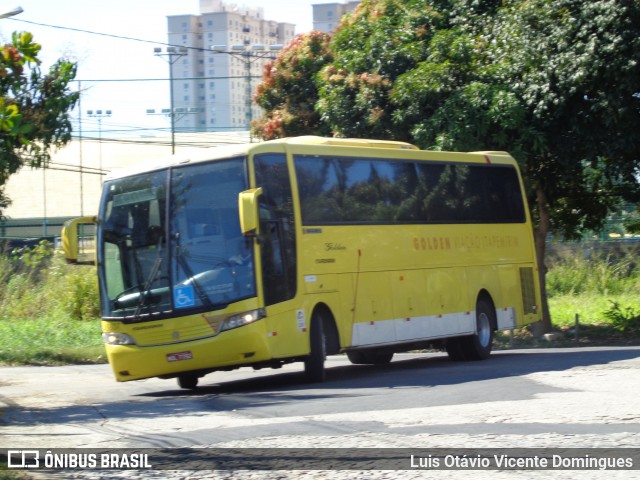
(146, 289)
(153, 274)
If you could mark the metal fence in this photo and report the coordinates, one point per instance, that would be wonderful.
(29, 231)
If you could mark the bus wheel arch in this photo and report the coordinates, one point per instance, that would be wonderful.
(323, 341)
(330, 327)
(478, 346)
(485, 297)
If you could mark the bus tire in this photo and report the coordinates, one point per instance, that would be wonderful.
(478, 346)
(189, 382)
(314, 364)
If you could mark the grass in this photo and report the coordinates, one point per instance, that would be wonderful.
(46, 341)
(591, 309)
(49, 312)
(601, 289)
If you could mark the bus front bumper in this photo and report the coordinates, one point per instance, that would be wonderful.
(234, 348)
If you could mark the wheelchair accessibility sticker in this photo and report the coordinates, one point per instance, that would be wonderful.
(184, 296)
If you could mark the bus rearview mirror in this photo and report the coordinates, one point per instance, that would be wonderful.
(78, 240)
(248, 209)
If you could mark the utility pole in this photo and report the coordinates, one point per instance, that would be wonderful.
(248, 54)
(99, 114)
(171, 55)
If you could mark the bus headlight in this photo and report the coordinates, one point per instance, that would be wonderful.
(112, 338)
(242, 319)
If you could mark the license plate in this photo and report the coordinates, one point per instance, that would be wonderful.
(179, 356)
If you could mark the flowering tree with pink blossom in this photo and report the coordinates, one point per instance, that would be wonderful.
(288, 92)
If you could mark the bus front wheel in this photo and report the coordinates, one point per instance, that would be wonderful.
(314, 364)
(189, 382)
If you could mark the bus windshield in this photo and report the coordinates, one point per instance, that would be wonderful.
(170, 242)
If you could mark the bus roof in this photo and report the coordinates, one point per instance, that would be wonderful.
(227, 151)
(349, 142)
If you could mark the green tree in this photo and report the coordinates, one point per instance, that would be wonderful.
(288, 92)
(34, 107)
(632, 223)
(574, 66)
(553, 82)
(375, 45)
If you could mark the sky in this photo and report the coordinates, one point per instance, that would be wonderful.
(120, 73)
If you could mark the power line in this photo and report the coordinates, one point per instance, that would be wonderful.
(121, 37)
(201, 78)
(102, 34)
(228, 77)
(203, 142)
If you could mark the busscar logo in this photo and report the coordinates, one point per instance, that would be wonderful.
(23, 459)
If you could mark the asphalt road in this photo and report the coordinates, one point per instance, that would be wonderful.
(556, 398)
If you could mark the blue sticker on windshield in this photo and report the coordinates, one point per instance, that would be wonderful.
(184, 296)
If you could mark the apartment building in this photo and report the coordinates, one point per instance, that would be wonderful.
(326, 16)
(217, 62)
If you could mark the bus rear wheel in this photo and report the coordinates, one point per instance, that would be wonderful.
(314, 364)
(478, 346)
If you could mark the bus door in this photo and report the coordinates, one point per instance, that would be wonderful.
(278, 254)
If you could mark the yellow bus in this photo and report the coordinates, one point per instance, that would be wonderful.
(290, 250)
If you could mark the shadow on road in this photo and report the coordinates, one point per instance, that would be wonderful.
(499, 378)
(427, 371)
